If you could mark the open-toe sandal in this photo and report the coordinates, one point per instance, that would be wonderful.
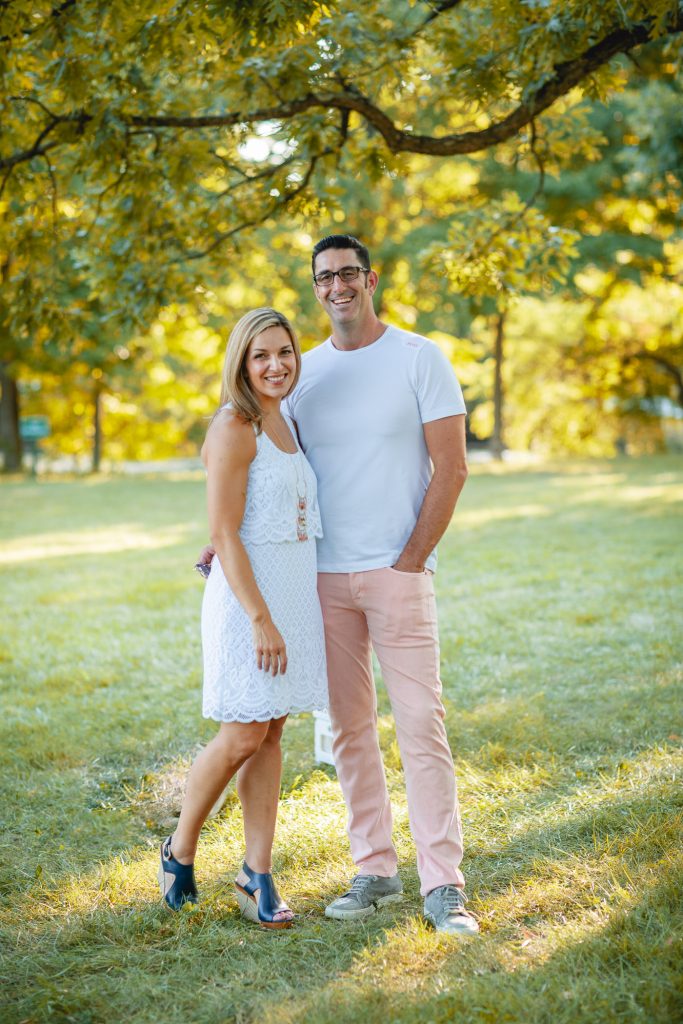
(176, 880)
(260, 901)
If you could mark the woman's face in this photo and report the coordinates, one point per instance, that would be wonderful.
(270, 364)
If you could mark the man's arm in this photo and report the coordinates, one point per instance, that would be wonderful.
(445, 439)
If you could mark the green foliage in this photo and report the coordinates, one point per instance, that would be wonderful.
(138, 121)
(503, 247)
(587, 377)
(149, 151)
(268, 21)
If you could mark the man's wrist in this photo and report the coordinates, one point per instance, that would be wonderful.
(407, 564)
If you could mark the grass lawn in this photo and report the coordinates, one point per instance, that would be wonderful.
(562, 656)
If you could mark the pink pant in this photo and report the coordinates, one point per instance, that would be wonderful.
(395, 612)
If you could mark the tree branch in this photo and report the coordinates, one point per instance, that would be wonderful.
(38, 103)
(5, 178)
(541, 168)
(56, 12)
(279, 204)
(246, 179)
(38, 149)
(567, 75)
(667, 366)
(439, 8)
(53, 194)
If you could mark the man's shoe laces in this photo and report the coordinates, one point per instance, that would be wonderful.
(359, 884)
(452, 898)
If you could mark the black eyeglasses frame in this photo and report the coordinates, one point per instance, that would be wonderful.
(338, 273)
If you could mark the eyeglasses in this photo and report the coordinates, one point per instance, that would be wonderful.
(346, 274)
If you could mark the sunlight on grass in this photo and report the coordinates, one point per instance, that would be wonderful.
(559, 593)
(662, 492)
(128, 537)
(492, 515)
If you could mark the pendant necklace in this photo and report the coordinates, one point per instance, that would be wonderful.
(301, 527)
(301, 491)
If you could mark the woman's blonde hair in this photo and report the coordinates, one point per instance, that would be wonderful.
(235, 386)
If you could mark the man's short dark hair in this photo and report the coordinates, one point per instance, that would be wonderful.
(341, 242)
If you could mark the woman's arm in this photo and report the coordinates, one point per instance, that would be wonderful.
(228, 451)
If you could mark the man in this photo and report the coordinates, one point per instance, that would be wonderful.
(376, 408)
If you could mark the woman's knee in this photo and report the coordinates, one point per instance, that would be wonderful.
(274, 733)
(239, 742)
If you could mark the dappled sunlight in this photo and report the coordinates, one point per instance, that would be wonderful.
(310, 824)
(482, 516)
(503, 780)
(565, 877)
(406, 946)
(558, 903)
(109, 540)
(530, 969)
(545, 921)
(504, 730)
(584, 877)
(500, 796)
(664, 493)
(560, 672)
(638, 778)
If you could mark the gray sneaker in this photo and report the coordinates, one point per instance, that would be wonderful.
(445, 909)
(367, 892)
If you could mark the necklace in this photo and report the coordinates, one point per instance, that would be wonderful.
(301, 491)
(282, 441)
(302, 498)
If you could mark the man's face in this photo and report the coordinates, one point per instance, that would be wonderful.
(345, 302)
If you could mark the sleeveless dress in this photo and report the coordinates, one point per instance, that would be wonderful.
(235, 689)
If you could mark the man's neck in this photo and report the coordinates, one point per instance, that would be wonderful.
(350, 336)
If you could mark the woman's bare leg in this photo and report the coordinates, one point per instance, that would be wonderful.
(234, 744)
(258, 787)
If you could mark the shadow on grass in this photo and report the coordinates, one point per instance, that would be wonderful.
(624, 969)
(571, 844)
(81, 945)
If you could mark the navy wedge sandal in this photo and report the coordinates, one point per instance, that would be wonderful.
(261, 908)
(176, 880)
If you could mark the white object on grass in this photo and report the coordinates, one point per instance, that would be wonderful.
(323, 738)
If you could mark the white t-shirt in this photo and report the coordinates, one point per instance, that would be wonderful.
(359, 414)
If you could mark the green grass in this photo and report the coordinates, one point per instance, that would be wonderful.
(562, 656)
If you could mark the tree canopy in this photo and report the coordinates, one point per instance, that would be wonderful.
(142, 146)
(128, 143)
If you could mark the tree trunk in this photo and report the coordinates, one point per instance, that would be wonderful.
(497, 444)
(669, 368)
(10, 439)
(97, 425)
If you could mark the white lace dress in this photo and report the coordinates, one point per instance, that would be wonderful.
(235, 689)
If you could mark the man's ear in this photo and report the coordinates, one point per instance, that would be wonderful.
(373, 281)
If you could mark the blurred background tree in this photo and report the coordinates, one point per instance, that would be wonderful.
(515, 168)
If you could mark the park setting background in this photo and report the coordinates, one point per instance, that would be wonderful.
(515, 169)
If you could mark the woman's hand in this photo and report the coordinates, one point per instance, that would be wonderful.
(271, 652)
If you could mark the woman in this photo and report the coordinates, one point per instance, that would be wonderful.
(262, 633)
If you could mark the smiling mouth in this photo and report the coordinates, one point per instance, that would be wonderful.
(344, 301)
(277, 380)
